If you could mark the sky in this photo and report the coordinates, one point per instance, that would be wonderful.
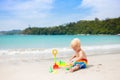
(20, 14)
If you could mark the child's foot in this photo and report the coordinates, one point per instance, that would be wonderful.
(74, 68)
(71, 70)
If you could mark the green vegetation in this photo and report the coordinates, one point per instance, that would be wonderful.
(107, 26)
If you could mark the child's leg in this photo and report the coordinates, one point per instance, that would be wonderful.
(77, 67)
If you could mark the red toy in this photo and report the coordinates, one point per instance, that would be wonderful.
(55, 66)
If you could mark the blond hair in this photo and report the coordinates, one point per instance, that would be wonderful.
(75, 42)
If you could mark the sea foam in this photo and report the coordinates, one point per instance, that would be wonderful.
(35, 51)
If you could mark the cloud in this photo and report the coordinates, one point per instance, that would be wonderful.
(19, 13)
(101, 8)
(28, 8)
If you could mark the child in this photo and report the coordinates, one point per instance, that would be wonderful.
(79, 59)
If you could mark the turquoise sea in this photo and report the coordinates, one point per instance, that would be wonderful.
(54, 41)
(35, 45)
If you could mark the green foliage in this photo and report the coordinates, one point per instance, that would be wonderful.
(108, 26)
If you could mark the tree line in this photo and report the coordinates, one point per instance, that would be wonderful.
(107, 26)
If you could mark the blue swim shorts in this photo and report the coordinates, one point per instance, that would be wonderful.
(82, 64)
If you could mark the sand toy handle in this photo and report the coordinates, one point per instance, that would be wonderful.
(54, 52)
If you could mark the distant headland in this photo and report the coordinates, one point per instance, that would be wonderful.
(107, 26)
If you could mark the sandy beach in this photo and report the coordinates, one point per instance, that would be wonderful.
(101, 67)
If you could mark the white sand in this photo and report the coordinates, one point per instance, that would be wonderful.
(101, 67)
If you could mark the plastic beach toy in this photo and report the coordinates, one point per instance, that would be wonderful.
(54, 52)
(58, 64)
(50, 70)
(55, 66)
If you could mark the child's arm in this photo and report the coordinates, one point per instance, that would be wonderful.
(80, 57)
(73, 56)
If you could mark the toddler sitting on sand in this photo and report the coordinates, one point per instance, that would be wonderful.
(79, 59)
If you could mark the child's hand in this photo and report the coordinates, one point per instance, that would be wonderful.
(69, 62)
(72, 61)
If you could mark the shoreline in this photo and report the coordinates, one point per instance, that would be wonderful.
(60, 49)
(37, 57)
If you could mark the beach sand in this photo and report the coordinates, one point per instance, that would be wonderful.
(101, 67)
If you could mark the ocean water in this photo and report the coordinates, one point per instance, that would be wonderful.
(54, 41)
(40, 46)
